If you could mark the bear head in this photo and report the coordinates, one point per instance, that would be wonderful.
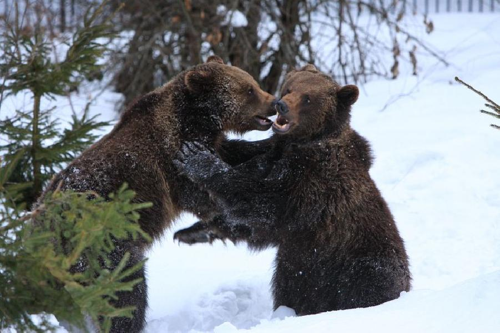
(235, 99)
(312, 103)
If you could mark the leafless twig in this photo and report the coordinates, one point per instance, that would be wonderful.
(492, 105)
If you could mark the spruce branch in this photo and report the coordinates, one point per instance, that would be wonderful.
(56, 263)
(27, 65)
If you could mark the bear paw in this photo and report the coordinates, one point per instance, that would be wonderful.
(198, 162)
(197, 233)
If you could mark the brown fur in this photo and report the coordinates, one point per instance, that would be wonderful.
(311, 195)
(198, 104)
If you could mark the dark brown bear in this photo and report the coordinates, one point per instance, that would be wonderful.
(198, 104)
(311, 196)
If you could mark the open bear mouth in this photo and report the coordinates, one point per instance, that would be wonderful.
(263, 121)
(281, 124)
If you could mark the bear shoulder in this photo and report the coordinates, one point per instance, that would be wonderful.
(360, 149)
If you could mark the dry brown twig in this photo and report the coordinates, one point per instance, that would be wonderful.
(492, 105)
(169, 36)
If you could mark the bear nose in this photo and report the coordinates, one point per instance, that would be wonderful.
(281, 107)
(274, 103)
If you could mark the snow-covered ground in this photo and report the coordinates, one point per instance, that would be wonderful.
(437, 164)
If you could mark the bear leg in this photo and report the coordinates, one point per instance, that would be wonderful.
(137, 297)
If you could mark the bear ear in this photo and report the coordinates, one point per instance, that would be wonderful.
(214, 58)
(289, 74)
(310, 68)
(348, 94)
(198, 80)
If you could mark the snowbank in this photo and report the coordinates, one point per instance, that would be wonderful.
(468, 307)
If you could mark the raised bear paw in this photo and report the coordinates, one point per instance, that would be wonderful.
(197, 233)
(198, 162)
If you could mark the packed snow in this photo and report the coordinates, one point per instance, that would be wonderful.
(436, 165)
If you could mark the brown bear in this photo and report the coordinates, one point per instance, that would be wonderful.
(311, 196)
(198, 104)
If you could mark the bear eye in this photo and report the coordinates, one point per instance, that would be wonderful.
(285, 93)
(307, 99)
(250, 91)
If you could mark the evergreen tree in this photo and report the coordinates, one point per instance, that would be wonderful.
(27, 66)
(53, 260)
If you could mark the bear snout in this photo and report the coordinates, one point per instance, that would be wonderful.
(281, 107)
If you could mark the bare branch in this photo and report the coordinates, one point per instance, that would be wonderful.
(493, 105)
